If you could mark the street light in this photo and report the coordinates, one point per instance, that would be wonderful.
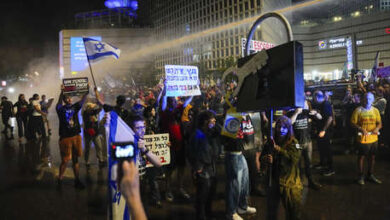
(11, 90)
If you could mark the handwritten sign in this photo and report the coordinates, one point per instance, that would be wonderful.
(182, 80)
(75, 86)
(158, 144)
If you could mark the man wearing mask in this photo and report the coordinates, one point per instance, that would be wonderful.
(324, 108)
(367, 120)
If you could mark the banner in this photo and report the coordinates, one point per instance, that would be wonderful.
(159, 145)
(182, 80)
(256, 46)
(75, 86)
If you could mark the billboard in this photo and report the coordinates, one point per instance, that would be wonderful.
(78, 57)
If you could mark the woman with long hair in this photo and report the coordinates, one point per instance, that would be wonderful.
(286, 182)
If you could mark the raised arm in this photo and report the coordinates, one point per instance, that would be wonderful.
(59, 102)
(188, 101)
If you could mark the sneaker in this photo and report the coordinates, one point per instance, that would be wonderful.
(169, 196)
(236, 217)
(328, 172)
(361, 181)
(78, 184)
(184, 194)
(314, 185)
(248, 210)
(318, 167)
(373, 179)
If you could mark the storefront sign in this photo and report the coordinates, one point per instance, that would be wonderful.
(335, 43)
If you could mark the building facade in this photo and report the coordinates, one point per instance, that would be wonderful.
(177, 18)
(326, 52)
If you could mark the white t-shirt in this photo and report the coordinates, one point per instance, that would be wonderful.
(36, 103)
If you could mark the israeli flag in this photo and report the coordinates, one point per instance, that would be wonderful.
(116, 131)
(98, 50)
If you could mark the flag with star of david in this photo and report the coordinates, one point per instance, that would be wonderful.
(98, 50)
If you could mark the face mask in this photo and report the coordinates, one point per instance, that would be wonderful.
(211, 125)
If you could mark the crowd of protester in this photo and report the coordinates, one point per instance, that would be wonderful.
(255, 162)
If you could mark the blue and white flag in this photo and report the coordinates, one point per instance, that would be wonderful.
(98, 50)
(116, 131)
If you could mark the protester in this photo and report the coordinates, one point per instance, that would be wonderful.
(170, 122)
(324, 108)
(367, 121)
(92, 134)
(70, 138)
(35, 121)
(6, 114)
(21, 115)
(301, 124)
(284, 154)
(237, 177)
(137, 124)
(45, 106)
(204, 154)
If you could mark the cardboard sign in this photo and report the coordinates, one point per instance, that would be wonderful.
(75, 86)
(182, 80)
(158, 144)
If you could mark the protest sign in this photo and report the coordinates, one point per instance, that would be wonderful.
(75, 86)
(182, 80)
(159, 145)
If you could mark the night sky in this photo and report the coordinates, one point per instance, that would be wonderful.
(29, 29)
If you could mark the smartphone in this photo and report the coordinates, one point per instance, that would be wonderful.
(122, 150)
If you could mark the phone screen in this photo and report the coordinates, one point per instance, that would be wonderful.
(124, 151)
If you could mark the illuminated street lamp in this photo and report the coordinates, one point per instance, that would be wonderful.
(11, 90)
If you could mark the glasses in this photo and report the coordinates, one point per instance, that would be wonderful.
(141, 127)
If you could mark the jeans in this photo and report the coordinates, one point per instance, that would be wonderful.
(97, 141)
(307, 150)
(237, 184)
(22, 125)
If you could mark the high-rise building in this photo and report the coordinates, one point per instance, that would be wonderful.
(177, 18)
(384, 4)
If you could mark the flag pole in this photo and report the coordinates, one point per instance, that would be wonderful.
(89, 64)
